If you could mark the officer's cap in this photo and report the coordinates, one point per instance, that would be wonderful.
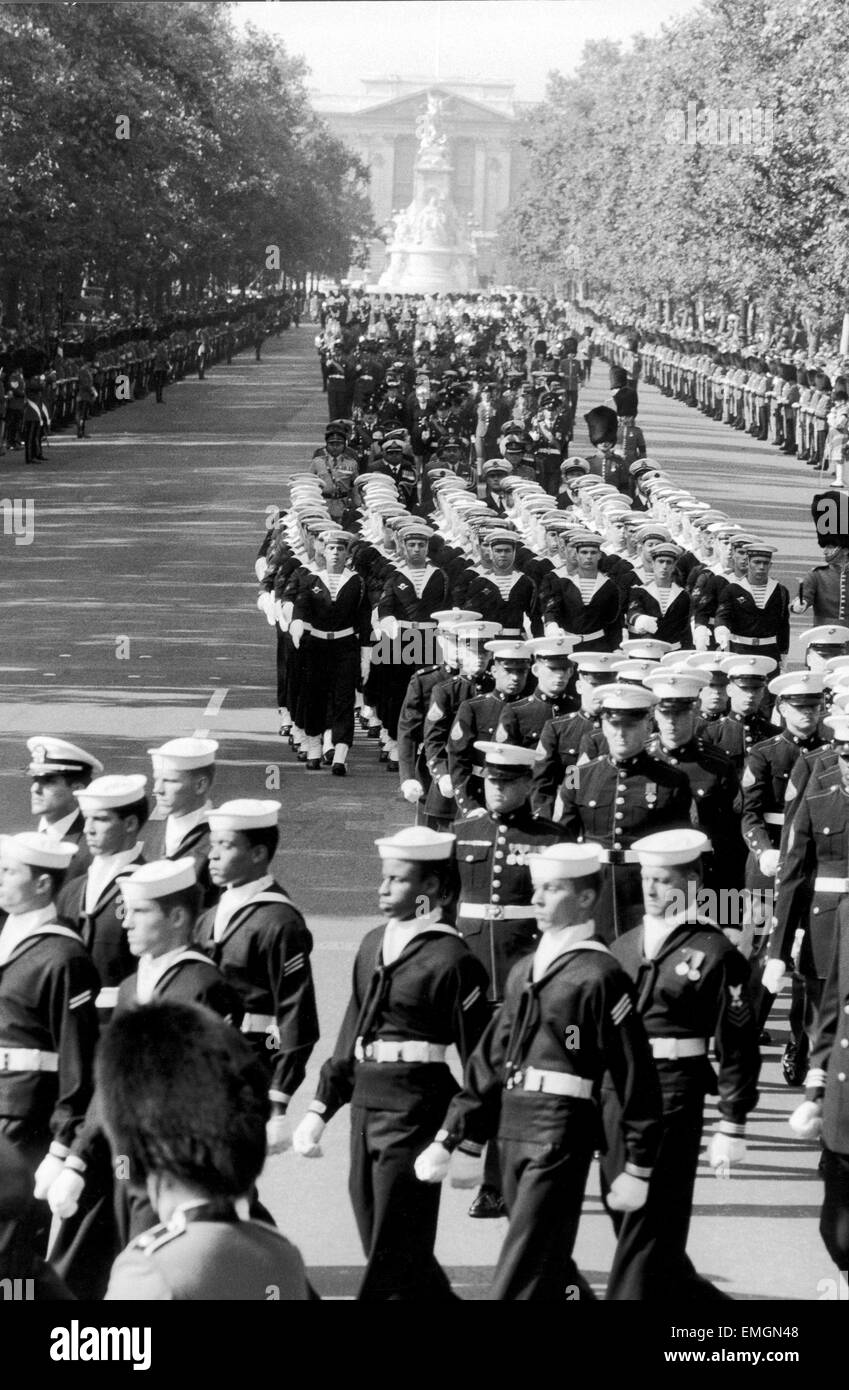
(159, 879)
(185, 754)
(496, 466)
(598, 663)
(448, 617)
(245, 814)
(36, 851)
(645, 648)
(627, 699)
(634, 671)
(475, 632)
(838, 723)
(110, 793)
(574, 465)
(836, 663)
(827, 635)
(799, 687)
(565, 861)
(417, 845)
(668, 848)
(749, 668)
(56, 755)
(509, 651)
(552, 648)
(675, 685)
(505, 761)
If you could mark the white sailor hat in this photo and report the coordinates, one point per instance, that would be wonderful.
(796, 686)
(417, 844)
(34, 849)
(565, 861)
(676, 685)
(627, 699)
(158, 879)
(645, 648)
(597, 663)
(553, 646)
(556, 521)
(499, 535)
(761, 548)
(448, 617)
(505, 761)
(827, 635)
(186, 754)
(742, 539)
(585, 538)
(666, 848)
(110, 793)
(633, 671)
(652, 533)
(416, 531)
(509, 651)
(53, 755)
(475, 632)
(739, 667)
(666, 550)
(244, 814)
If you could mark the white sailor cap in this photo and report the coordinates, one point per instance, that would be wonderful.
(415, 531)
(676, 685)
(827, 635)
(761, 548)
(646, 648)
(798, 685)
(509, 651)
(505, 761)
(627, 699)
(158, 879)
(499, 535)
(244, 814)
(553, 646)
(53, 755)
(110, 793)
(417, 844)
(565, 861)
(633, 671)
(35, 850)
(666, 848)
(739, 667)
(185, 754)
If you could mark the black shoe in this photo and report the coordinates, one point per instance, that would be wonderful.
(391, 764)
(339, 769)
(383, 756)
(373, 732)
(313, 764)
(328, 756)
(765, 1038)
(488, 1205)
(302, 757)
(285, 731)
(794, 1064)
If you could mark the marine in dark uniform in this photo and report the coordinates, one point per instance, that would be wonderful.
(737, 732)
(477, 720)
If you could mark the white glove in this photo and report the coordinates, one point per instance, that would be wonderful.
(260, 568)
(446, 786)
(412, 791)
(554, 630)
(478, 811)
(768, 862)
(278, 1134)
(265, 603)
(306, 1140)
(433, 1163)
(296, 632)
(806, 1120)
(773, 976)
(365, 663)
(46, 1174)
(390, 627)
(645, 623)
(725, 1151)
(723, 636)
(466, 1169)
(627, 1193)
(799, 605)
(701, 637)
(65, 1193)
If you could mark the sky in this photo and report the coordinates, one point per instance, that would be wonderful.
(517, 41)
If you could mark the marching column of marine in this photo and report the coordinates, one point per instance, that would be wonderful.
(630, 827)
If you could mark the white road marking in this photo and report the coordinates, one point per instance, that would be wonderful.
(216, 700)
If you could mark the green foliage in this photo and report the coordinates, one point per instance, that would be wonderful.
(224, 157)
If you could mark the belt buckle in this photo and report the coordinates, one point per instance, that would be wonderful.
(4, 1058)
(496, 912)
(533, 1085)
(330, 636)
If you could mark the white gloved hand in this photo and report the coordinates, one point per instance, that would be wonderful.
(296, 632)
(433, 1163)
(701, 637)
(725, 1151)
(627, 1193)
(723, 636)
(46, 1174)
(645, 623)
(806, 1120)
(446, 786)
(412, 791)
(466, 1169)
(306, 1140)
(554, 630)
(773, 976)
(768, 862)
(476, 812)
(278, 1134)
(64, 1195)
(390, 627)
(260, 566)
(798, 605)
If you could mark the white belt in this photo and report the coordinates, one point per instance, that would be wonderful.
(494, 912)
(402, 1051)
(585, 636)
(331, 636)
(27, 1059)
(619, 856)
(107, 998)
(258, 1023)
(671, 1048)
(831, 885)
(402, 622)
(754, 641)
(554, 1083)
(773, 817)
(510, 632)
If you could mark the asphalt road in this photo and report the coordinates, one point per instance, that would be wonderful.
(130, 618)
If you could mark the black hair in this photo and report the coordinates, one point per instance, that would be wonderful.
(139, 809)
(189, 898)
(268, 836)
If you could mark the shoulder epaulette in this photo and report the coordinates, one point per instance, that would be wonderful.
(151, 1241)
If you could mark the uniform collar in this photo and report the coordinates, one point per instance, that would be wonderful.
(178, 827)
(57, 829)
(18, 927)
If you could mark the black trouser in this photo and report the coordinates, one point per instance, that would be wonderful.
(834, 1217)
(284, 646)
(88, 1242)
(396, 1214)
(330, 671)
(32, 1142)
(159, 376)
(546, 1145)
(32, 440)
(14, 427)
(650, 1263)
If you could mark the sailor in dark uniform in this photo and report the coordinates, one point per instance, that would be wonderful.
(183, 771)
(57, 769)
